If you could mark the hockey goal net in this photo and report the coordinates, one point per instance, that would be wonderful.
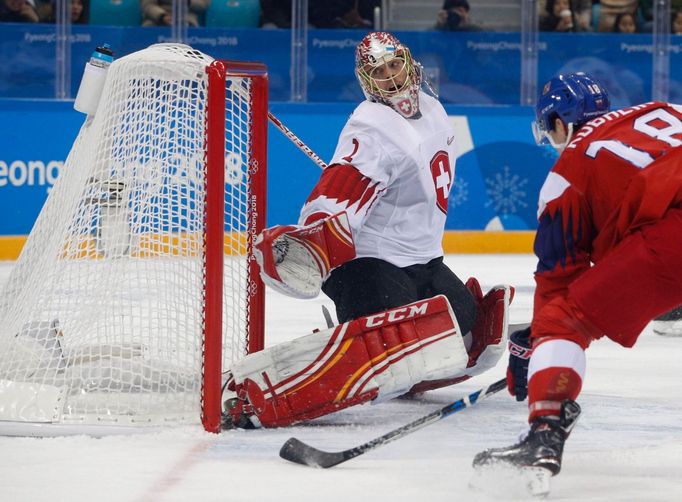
(136, 285)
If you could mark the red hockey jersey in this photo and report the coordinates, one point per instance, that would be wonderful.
(610, 180)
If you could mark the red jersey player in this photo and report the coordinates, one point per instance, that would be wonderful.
(370, 236)
(609, 259)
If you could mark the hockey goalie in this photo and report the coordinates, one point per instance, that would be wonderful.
(370, 237)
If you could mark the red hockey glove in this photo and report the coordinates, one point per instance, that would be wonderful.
(296, 260)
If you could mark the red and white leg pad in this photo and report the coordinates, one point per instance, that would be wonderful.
(490, 331)
(372, 358)
(488, 336)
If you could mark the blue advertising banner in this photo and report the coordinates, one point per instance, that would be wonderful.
(473, 68)
(498, 173)
(36, 138)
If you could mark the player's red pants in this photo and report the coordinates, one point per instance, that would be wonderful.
(638, 280)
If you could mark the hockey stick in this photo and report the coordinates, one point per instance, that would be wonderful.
(327, 317)
(297, 451)
(297, 141)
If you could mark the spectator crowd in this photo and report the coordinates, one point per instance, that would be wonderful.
(617, 16)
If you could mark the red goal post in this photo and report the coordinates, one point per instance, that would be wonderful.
(218, 72)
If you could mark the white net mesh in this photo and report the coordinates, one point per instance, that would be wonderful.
(101, 320)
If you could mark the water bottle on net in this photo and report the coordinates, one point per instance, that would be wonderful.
(92, 83)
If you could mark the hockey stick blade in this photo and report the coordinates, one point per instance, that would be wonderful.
(298, 452)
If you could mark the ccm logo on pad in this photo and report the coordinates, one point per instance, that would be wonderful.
(398, 314)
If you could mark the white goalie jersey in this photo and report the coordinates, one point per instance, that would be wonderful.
(393, 177)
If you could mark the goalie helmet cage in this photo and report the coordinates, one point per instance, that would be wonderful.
(137, 286)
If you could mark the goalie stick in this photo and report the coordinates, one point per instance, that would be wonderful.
(327, 317)
(297, 141)
(297, 451)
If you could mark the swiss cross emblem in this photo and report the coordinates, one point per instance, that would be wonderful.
(442, 179)
(406, 106)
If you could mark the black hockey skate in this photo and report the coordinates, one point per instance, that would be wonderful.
(669, 324)
(674, 315)
(542, 447)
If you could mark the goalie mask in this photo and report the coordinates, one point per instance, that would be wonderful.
(388, 74)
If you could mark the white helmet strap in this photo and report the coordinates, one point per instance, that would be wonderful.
(560, 146)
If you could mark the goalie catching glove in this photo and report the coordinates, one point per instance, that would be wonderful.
(296, 260)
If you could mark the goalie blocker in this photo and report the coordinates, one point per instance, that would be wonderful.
(372, 358)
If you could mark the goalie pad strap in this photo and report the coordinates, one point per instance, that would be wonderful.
(376, 357)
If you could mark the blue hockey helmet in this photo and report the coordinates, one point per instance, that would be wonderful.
(575, 98)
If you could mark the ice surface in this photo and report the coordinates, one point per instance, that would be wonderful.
(627, 445)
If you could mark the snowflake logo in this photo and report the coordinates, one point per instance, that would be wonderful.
(459, 192)
(506, 192)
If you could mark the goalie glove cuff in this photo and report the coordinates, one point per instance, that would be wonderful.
(297, 260)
